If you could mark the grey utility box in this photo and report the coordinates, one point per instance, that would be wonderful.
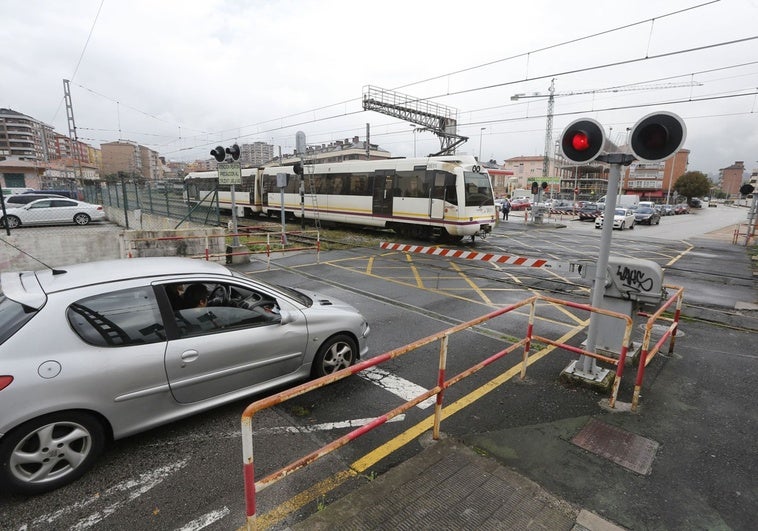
(629, 284)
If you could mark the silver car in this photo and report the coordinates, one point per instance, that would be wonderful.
(103, 350)
(52, 211)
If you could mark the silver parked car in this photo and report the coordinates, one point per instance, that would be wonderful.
(103, 350)
(52, 211)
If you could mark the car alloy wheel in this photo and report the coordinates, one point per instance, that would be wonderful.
(50, 451)
(11, 222)
(337, 353)
(81, 219)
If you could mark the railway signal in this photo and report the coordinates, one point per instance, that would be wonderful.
(234, 151)
(219, 153)
(657, 136)
(583, 140)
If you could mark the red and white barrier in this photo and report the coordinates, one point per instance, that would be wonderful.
(466, 255)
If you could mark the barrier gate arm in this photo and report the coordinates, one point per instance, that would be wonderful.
(565, 267)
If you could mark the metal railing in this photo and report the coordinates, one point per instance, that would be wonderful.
(252, 487)
(647, 354)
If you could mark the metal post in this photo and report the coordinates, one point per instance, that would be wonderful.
(284, 228)
(587, 364)
(235, 238)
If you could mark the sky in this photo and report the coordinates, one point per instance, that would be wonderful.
(184, 76)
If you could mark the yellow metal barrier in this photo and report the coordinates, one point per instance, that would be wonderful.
(252, 487)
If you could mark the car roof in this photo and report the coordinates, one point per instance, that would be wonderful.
(73, 276)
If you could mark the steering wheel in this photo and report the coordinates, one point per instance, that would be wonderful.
(256, 301)
(219, 296)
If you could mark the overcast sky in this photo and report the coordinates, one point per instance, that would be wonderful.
(183, 76)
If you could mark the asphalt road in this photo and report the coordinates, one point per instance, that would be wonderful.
(188, 475)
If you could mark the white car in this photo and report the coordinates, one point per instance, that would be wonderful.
(622, 218)
(52, 211)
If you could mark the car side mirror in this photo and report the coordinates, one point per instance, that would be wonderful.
(286, 317)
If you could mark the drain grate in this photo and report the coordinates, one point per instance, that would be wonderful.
(624, 448)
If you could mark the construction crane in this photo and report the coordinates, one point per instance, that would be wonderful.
(551, 105)
(439, 119)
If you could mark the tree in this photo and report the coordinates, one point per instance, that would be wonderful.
(693, 184)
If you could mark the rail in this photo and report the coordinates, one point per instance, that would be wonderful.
(252, 487)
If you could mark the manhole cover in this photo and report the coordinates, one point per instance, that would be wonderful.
(620, 446)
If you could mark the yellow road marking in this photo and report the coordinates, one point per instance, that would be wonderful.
(474, 287)
(419, 282)
(680, 255)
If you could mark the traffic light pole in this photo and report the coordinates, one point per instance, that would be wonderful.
(587, 367)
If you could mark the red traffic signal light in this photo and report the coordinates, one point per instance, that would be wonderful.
(535, 188)
(234, 151)
(583, 140)
(657, 136)
(219, 154)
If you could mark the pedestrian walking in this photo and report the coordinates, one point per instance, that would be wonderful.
(506, 208)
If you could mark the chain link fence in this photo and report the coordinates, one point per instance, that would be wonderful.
(172, 200)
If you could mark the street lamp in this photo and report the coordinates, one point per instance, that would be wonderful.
(481, 131)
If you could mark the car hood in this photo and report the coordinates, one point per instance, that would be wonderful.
(321, 300)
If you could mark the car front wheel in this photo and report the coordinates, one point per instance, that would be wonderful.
(11, 222)
(50, 451)
(81, 219)
(337, 353)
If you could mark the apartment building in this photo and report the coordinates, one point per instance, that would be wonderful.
(732, 177)
(654, 181)
(131, 159)
(256, 154)
(23, 138)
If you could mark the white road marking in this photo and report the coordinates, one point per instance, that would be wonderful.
(205, 520)
(401, 387)
(326, 426)
(133, 487)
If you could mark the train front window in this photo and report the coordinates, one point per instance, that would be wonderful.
(478, 189)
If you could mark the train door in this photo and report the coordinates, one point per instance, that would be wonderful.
(383, 193)
(437, 206)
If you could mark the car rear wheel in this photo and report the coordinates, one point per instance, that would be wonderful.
(81, 219)
(50, 451)
(11, 222)
(337, 353)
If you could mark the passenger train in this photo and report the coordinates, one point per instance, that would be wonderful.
(447, 196)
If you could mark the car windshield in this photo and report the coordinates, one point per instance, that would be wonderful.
(620, 212)
(300, 297)
(12, 316)
(644, 210)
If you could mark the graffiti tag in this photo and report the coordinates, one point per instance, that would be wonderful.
(634, 278)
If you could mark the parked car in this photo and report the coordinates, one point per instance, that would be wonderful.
(667, 210)
(695, 203)
(622, 218)
(590, 211)
(647, 215)
(681, 208)
(103, 350)
(52, 211)
(520, 203)
(17, 200)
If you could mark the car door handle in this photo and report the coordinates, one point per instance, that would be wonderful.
(190, 356)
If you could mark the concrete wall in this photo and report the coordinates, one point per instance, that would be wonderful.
(34, 248)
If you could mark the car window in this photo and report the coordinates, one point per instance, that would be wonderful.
(63, 203)
(118, 318)
(226, 307)
(12, 316)
(41, 204)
